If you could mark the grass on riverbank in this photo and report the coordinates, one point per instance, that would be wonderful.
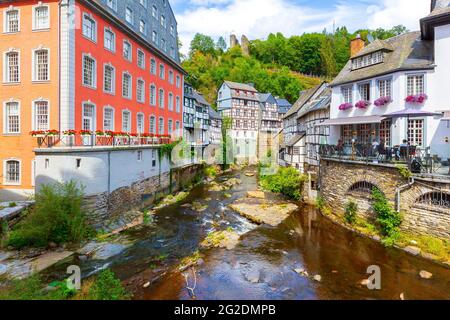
(287, 181)
(105, 286)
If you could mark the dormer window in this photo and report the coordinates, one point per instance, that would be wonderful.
(367, 60)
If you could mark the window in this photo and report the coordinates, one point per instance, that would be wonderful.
(126, 121)
(41, 18)
(367, 60)
(110, 40)
(347, 95)
(155, 37)
(163, 21)
(127, 50)
(108, 119)
(364, 91)
(143, 2)
(41, 116)
(140, 91)
(152, 124)
(385, 131)
(112, 4)
(41, 65)
(126, 85)
(155, 12)
(172, 52)
(89, 27)
(171, 101)
(161, 125)
(129, 15)
(415, 84)
(139, 155)
(140, 123)
(12, 67)
(172, 30)
(171, 79)
(162, 71)
(153, 158)
(89, 71)
(178, 105)
(384, 88)
(12, 21)
(12, 118)
(163, 45)
(88, 117)
(109, 79)
(415, 132)
(12, 172)
(152, 66)
(178, 81)
(170, 127)
(161, 98)
(364, 132)
(177, 127)
(153, 95)
(347, 133)
(141, 59)
(142, 27)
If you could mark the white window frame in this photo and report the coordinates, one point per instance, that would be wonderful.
(143, 89)
(34, 113)
(171, 102)
(5, 15)
(109, 108)
(130, 87)
(113, 79)
(142, 116)
(161, 98)
(5, 118)
(415, 91)
(129, 121)
(177, 104)
(94, 85)
(153, 66)
(91, 17)
(6, 66)
(34, 64)
(161, 125)
(35, 8)
(154, 131)
(162, 71)
(361, 90)
(105, 31)
(128, 9)
(154, 99)
(112, 4)
(94, 115)
(143, 24)
(5, 180)
(350, 94)
(130, 58)
(386, 88)
(142, 66)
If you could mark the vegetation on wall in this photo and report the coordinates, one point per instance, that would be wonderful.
(57, 217)
(388, 219)
(351, 209)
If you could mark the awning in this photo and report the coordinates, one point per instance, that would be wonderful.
(352, 120)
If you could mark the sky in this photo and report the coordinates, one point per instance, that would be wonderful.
(258, 18)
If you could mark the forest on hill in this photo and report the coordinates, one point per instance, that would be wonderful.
(281, 65)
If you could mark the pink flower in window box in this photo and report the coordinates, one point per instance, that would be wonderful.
(345, 106)
(363, 104)
(418, 98)
(380, 102)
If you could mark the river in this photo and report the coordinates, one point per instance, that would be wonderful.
(262, 265)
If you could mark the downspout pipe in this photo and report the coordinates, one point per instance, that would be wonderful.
(399, 190)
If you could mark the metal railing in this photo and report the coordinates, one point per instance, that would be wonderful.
(73, 141)
(418, 160)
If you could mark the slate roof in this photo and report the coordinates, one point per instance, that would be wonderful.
(409, 52)
(304, 98)
(320, 103)
(213, 114)
(377, 45)
(295, 139)
(200, 99)
(240, 86)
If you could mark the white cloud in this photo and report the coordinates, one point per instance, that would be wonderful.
(258, 18)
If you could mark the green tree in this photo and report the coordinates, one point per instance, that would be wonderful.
(203, 44)
(221, 44)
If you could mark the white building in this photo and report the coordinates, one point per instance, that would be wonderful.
(375, 96)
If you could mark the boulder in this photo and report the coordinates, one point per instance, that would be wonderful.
(425, 274)
(318, 278)
(413, 250)
(256, 194)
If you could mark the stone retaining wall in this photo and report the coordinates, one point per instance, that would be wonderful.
(337, 177)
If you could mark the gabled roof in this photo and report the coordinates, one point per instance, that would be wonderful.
(375, 46)
(305, 96)
(240, 86)
(213, 114)
(410, 52)
(322, 102)
(200, 99)
(296, 138)
(283, 103)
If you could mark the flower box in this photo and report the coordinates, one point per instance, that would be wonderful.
(363, 104)
(345, 106)
(418, 98)
(69, 132)
(52, 132)
(86, 133)
(380, 102)
(100, 133)
(38, 133)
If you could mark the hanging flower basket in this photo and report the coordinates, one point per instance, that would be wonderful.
(69, 132)
(418, 98)
(37, 134)
(86, 133)
(380, 102)
(52, 132)
(345, 106)
(363, 104)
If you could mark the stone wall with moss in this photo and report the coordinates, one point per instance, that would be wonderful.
(337, 178)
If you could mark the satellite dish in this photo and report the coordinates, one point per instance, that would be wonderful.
(370, 38)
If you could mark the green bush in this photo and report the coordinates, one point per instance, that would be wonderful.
(351, 209)
(320, 203)
(388, 219)
(32, 288)
(211, 171)
(57, 217)
(107, 287)
(287, 181)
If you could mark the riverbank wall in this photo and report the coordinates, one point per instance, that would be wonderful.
(115, 180)
(423, 202)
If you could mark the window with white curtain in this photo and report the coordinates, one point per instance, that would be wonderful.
(41, 115)
(41, 65)
(41, 17)
(140, 91)
(126, 121)
(108, 119)
(89, 71)
(12, 172)
(12, 21)
(153, 95)
(12, 67)
(126, 85)
(161, 125)
(89, 27)
(88, 123)
(12, 118)
(140, 123)
(152, 124)
(109, 79)
(161, 98)
(110, 40)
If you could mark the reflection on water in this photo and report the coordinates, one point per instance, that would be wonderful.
(262, 265)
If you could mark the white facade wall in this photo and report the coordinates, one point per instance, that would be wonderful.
(100, 170)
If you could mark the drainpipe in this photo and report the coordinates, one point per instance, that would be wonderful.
(399, 190)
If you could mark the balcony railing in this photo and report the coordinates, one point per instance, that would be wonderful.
(419, 160)
(78, 140)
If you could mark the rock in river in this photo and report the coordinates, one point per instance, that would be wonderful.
(264, 212)
(425, 274)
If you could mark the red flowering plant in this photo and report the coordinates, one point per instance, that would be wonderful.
(52, 132)
(110, 133)
(345, 106)
(69, 132)
(37, 133)
(363, 104)
(418, 98)
(86, 132)
(380, 102)
(134, 135)
(100, 133)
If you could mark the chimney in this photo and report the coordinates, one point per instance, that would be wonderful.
(356, 45)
